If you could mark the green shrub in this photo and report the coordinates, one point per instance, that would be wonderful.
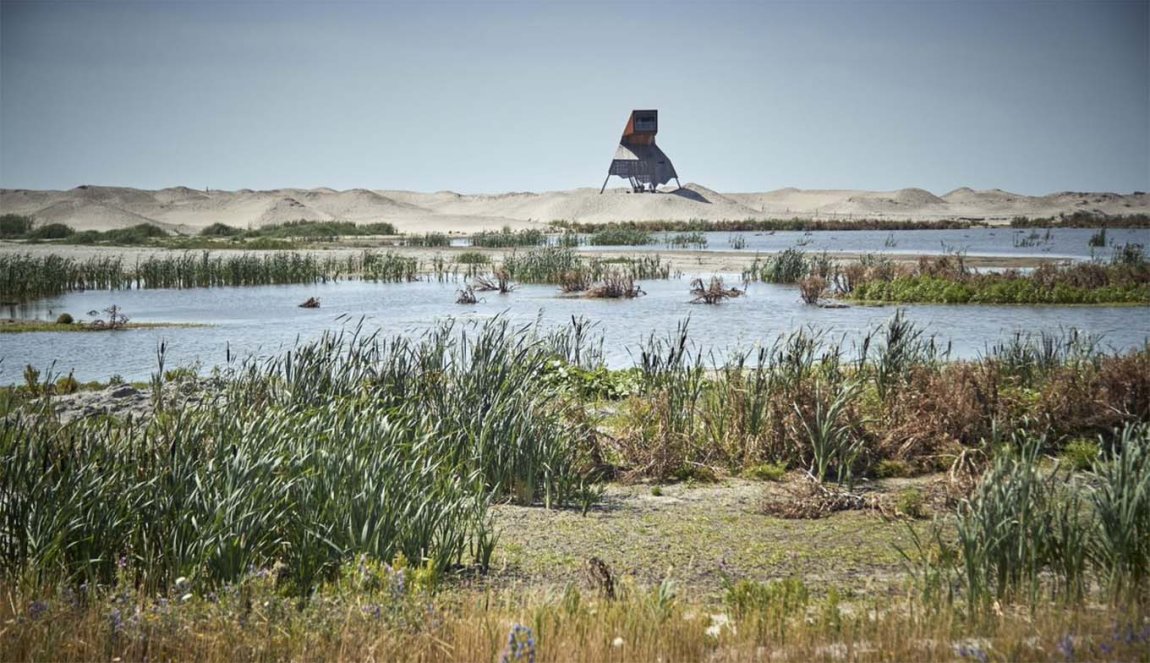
(911, 502)
(472, 258)
(1080, 454)
(890, 468)
(67, 385)
(220, 230)
(51, 231)
(15, 225)
(64, 319)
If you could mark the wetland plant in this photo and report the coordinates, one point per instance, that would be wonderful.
(615, 285)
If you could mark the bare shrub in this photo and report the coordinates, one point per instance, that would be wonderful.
(577, 280)
(713, 293)
(811, 289)
(616, 285)
(499, 281)
(466, 296)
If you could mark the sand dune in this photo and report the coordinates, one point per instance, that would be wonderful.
(186, 210)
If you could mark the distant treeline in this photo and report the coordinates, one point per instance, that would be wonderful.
(15, 226)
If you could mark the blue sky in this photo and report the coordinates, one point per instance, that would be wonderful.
(1033, 97)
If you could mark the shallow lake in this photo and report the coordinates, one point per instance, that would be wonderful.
(1001, 241)
(267, 319)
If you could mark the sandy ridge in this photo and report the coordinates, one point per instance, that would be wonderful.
(186, 210)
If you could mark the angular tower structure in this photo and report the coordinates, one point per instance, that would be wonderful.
(638, 159)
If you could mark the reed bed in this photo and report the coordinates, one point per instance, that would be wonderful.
(352, 444)
(620, 236)
(554, 264)
(507, 238)
(427, 240)
(25, 277)
(805, 401)
(945, 279)
(687, 240)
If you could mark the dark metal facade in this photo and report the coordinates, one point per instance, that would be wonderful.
(638, 159)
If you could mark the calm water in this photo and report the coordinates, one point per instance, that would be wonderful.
(1056, 243)
(264, 320)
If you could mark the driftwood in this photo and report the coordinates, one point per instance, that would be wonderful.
(466, 296)
(312, 302)
(713, 293)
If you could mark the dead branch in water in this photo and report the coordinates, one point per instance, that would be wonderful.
(500, 281)
(466, 296)
(713, 293)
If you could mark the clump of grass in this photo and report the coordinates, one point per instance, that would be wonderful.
(892, 468)
(786, 267)
(507, 238)
(428, 240)
(766, 472)
(1081, 454)
(620, 236)
(472, 258)
(1021, 534)
(684, 240)
(911, 502)
(615, 285)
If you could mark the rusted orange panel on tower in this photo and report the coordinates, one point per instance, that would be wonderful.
(641, 128)
(638, 159)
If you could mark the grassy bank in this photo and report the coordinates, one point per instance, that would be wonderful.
(29, 326)
(413, 499)
(24, 277)
(1123, 279)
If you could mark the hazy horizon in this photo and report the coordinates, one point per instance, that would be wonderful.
(487, 97)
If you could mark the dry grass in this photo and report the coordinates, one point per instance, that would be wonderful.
(615, 285)
(642, 625)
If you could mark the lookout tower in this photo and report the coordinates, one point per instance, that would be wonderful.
(638, 159)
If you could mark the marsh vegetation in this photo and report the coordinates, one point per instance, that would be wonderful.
(348, 487)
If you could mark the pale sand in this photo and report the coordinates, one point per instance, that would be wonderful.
(185, 210)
